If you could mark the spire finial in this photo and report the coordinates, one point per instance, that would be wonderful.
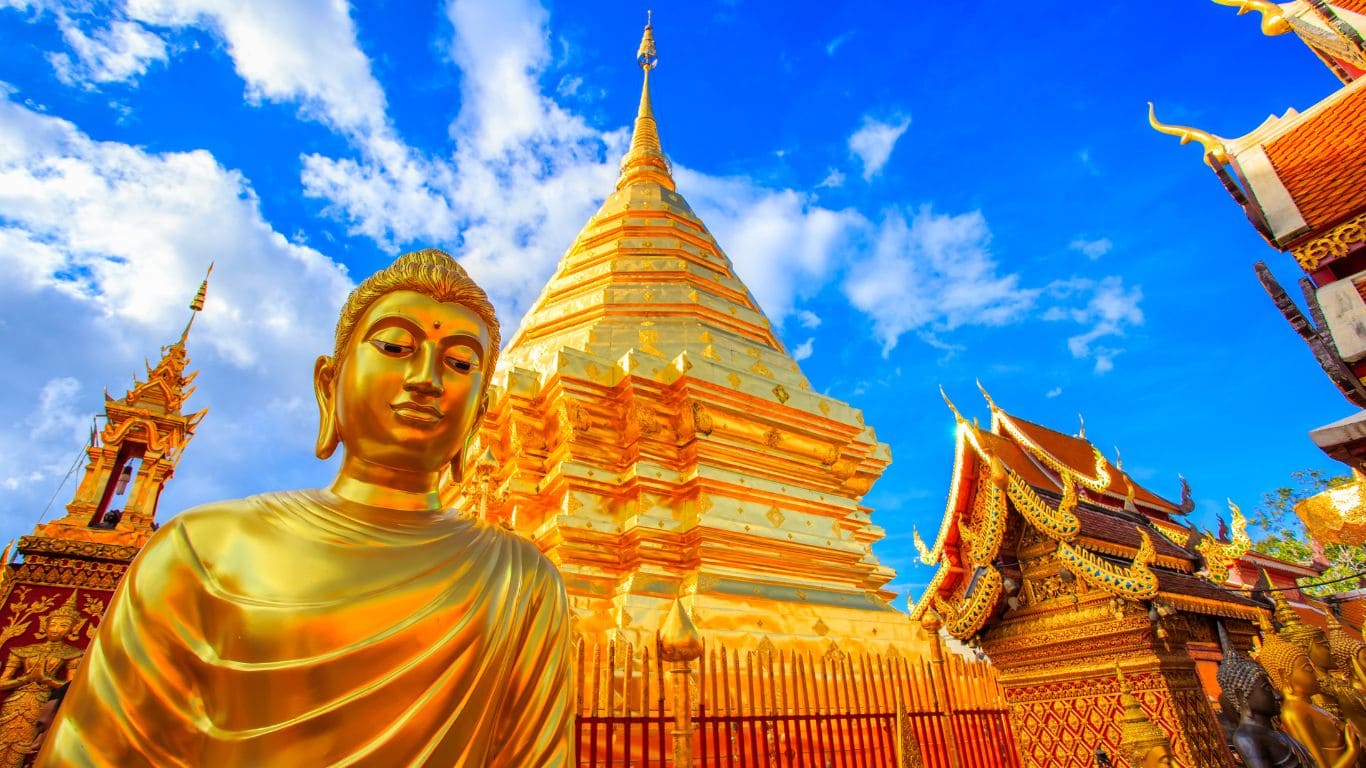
(197, 303)
(645, 161)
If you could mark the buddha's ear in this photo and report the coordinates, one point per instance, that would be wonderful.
(324, 388)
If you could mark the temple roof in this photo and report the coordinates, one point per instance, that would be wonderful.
(1321, 158)
(1080, 456)
(1024, 488)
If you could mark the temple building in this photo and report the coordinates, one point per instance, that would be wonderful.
(651, 433)
(1301, 180)
(1059, 566)
(52, 599)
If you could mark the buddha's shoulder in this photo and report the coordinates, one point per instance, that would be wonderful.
(523, 550)
(230, 522)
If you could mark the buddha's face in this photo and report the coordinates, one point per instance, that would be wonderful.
(1159, 756)
(1262, 698)
(1321, 653)
(58, 627)
(407, 391)
(1303, 679)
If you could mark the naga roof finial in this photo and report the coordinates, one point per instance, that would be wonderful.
(1273, 17)
(956, 415)
(1215, 152)
(990, 403)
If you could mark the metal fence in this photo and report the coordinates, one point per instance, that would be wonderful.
(787, 709)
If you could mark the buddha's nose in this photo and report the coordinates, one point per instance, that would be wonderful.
(424, 373)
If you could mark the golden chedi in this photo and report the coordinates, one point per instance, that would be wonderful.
(1349, 654)
(1336, 692)
(364, 624)
(1144, 742)
(1330, 743)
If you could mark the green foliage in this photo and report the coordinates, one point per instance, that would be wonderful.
(1277, 531)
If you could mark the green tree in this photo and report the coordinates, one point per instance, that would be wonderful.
(1277, 531)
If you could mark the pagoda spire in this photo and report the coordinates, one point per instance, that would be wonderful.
(645, 160)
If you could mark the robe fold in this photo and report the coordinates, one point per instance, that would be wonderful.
(298, 629)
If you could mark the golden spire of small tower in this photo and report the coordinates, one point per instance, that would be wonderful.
(645, 161)
(1215, 152)
(131, 459)
(1138, 734)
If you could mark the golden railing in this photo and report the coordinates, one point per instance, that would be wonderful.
(786, 709)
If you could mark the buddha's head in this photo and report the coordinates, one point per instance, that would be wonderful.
(405, 386)
(1288, 665)
(1159, 756)
(62, 622)
(1311, 639)
(1349, 653)
(1246, 687)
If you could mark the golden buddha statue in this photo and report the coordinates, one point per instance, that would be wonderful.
(364, 624)
(1338, 696)
(1349, 654)
(32, 672)
(1249, 693)
(1143, 741)
(1330, 743)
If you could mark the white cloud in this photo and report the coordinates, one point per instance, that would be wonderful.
(1052, 393)
(784, 246)
(809, 319)
(103, 245)
(1092, 249)
(874, 141)
(934, 272)
(1106, 306)
(804, 350)
(833, 179)
(832, 47)
(300, 52)
(119, 52)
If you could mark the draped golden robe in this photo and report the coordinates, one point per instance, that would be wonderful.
(298, 629)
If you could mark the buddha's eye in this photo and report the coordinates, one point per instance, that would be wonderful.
(390, 348)
(462, 364)
(392, 342)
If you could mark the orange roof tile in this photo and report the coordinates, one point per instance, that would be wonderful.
(1322, 161)
(1014, 458)
(1355, 6)
(1078, 454)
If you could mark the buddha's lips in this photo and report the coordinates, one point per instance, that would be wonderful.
(417, 411)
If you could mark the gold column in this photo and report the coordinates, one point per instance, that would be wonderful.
(931, 622)
(680, 645)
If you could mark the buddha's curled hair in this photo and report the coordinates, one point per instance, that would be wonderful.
(432, 273)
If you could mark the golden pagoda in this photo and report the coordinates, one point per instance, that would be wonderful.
(650, 432)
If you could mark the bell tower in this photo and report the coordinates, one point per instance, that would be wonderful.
(53, 596)
(131, 459)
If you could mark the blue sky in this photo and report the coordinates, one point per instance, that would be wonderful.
(918, 194)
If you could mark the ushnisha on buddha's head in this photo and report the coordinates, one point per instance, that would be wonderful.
(405, 386)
